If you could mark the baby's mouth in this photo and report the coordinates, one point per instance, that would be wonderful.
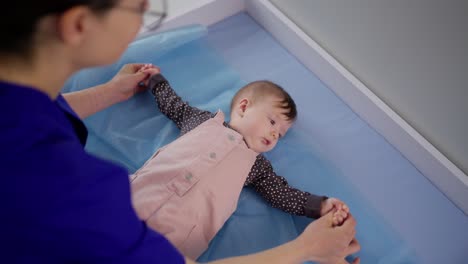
(265, 141)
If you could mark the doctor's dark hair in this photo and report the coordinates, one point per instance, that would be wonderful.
(19, 20)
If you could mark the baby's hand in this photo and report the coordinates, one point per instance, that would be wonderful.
(339, 216)
(340, 210)
(130, 80)
(149, 70)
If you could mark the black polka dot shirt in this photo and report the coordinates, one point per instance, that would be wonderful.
(274, 188)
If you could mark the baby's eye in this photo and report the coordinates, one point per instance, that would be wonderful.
(272, 122)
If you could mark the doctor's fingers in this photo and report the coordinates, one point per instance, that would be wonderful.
(353, 247)
(349, 226)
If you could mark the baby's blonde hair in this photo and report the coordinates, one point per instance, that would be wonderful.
(258, 90)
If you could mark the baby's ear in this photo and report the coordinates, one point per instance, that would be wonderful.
(242, 106)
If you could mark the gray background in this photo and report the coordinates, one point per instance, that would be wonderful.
(411, 54)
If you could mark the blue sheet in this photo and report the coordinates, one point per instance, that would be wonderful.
(401, 217)
(129, 132)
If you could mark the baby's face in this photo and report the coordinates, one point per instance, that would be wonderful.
(263, 124)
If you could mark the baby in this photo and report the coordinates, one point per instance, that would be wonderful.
(190, 187)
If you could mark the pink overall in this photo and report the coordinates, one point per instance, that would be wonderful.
(189, 188)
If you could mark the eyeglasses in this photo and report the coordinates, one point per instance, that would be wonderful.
(156, 16)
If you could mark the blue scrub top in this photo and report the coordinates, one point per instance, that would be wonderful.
(58, 203)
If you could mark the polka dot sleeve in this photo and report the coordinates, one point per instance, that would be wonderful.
(186, 117)
(276, 190)
(273, 188)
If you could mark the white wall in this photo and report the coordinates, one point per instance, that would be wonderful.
(412, 54)
(179, 7)
(185, 12)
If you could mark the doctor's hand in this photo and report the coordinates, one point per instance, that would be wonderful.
(131, 79)
(328, 243)
(344, 261)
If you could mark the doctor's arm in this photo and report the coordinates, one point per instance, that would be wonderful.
(120, 88)
(320, 242)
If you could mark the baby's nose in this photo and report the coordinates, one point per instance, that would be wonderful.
(274, 134)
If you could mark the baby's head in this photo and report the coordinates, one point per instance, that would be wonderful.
(262, 112)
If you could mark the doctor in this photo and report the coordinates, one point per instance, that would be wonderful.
(59, 203)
